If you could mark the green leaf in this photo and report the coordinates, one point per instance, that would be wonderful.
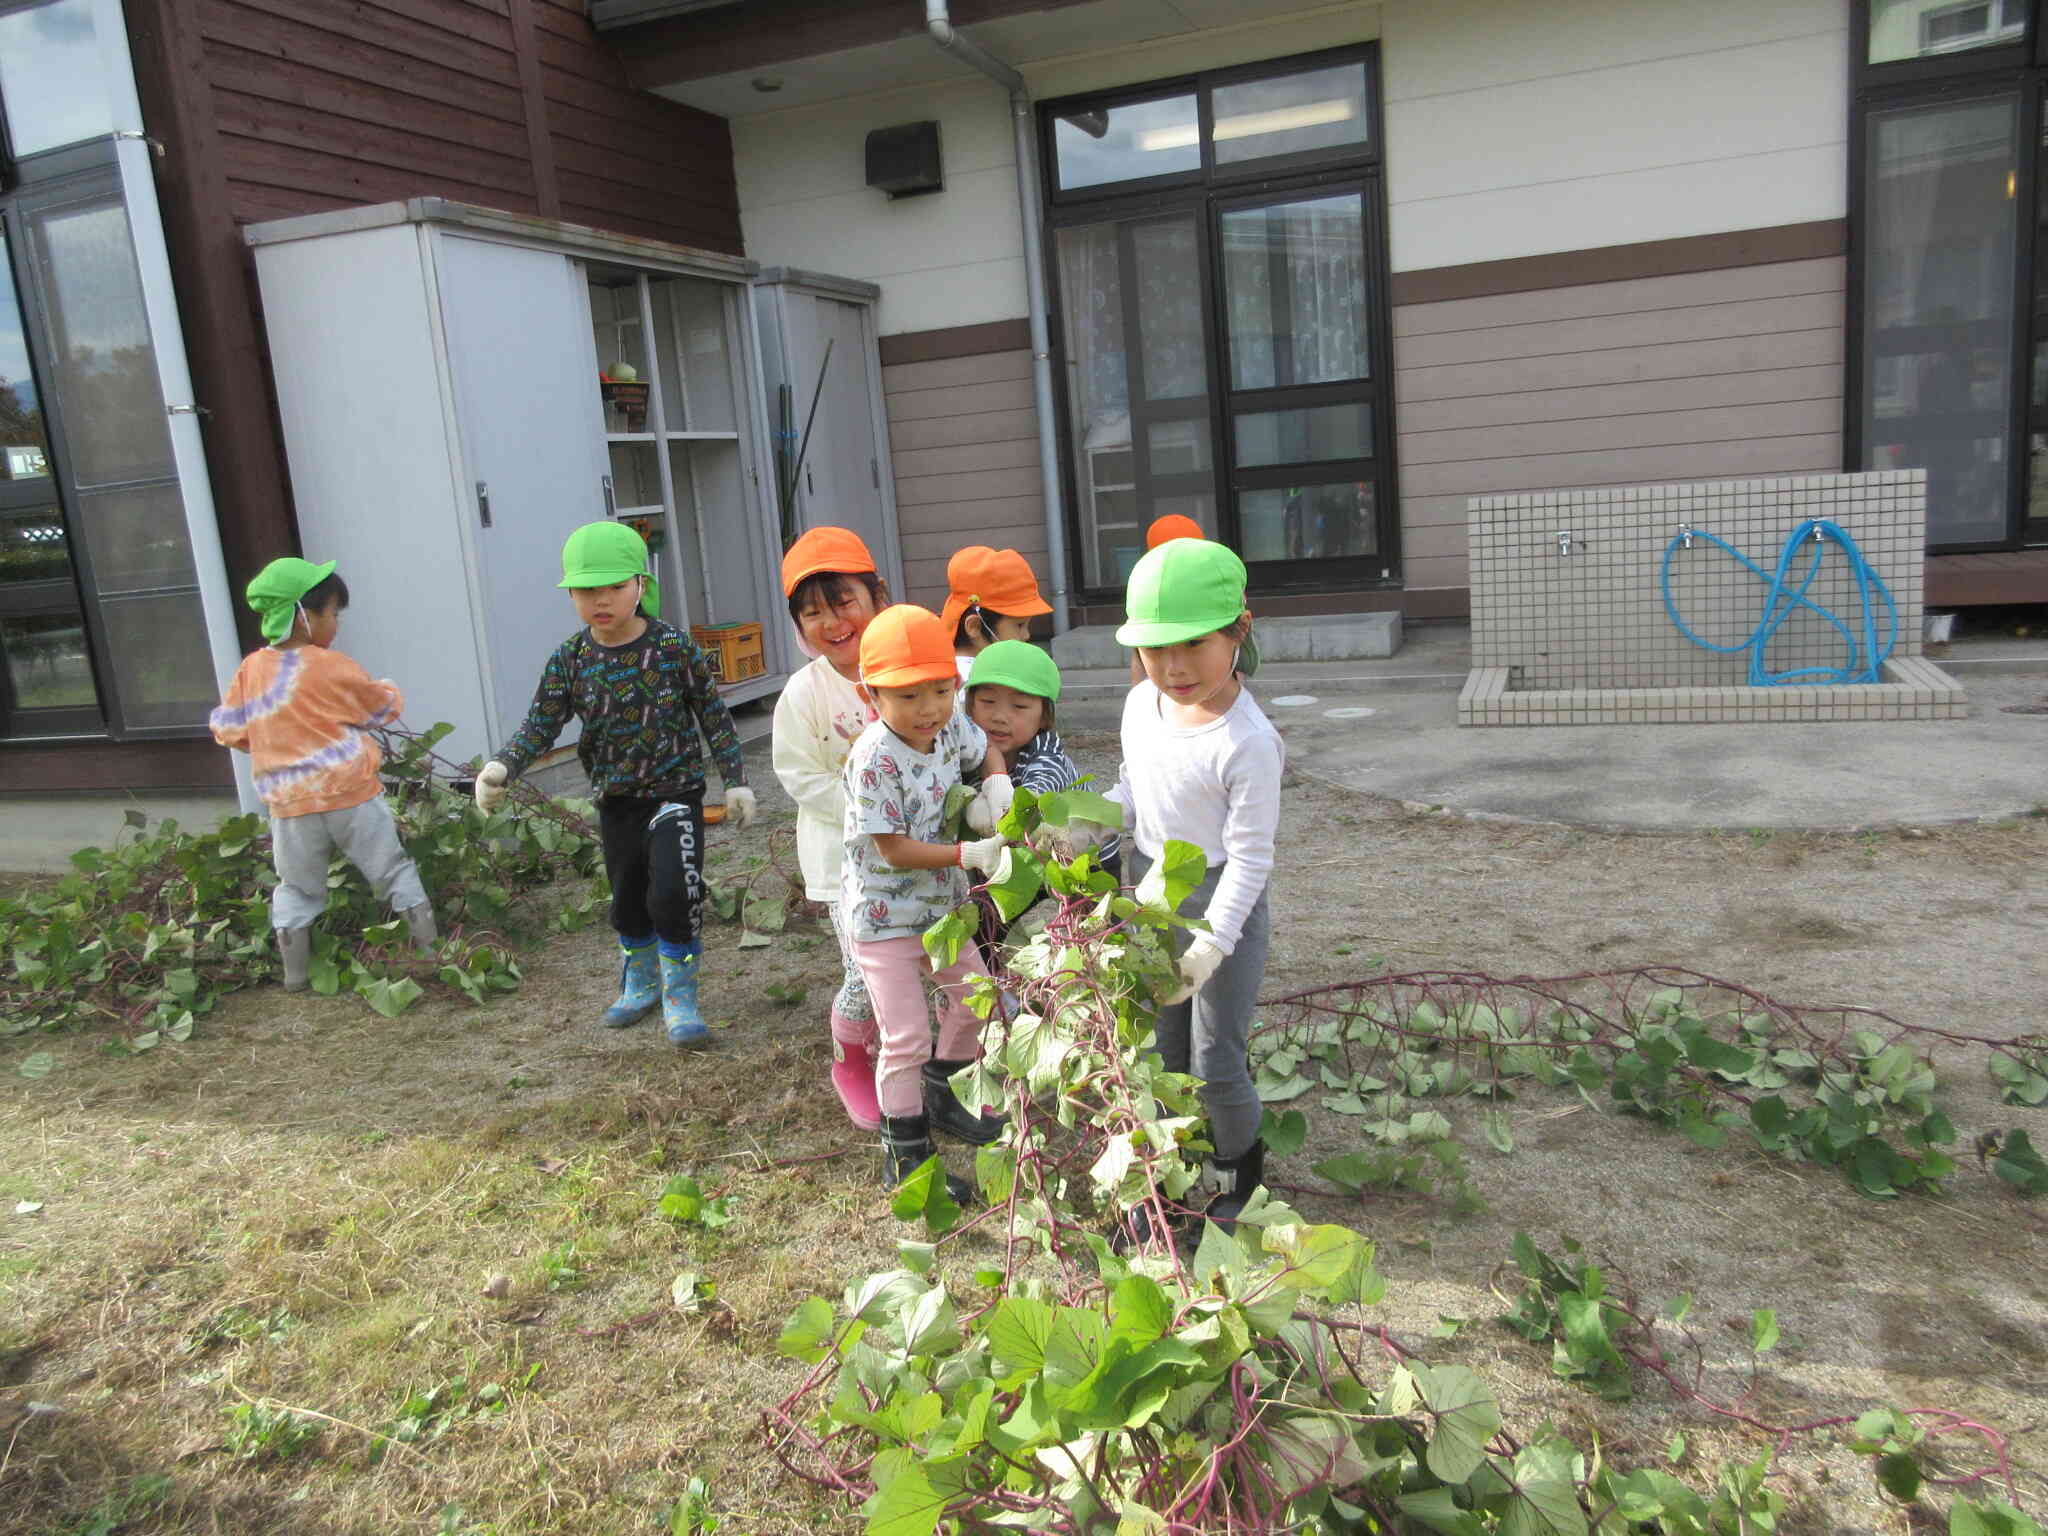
(2022, 1083)
(1179, 869)
(1020, 880)
(36, 1064)
(1438, 1509)
(2020, 1165)
(1763, 1330)
(924, 1194)
(1499, 1134)
(1899, 1475)
(1466, 1415)
(1018, 1334)
(749, 939)
(388, 997)
(906, 1505)
(808, 1333)
(944, 940)
(1284, 1133)
(1069, 805)
(1139, 1310)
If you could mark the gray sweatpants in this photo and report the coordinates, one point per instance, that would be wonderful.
(301, 846)
(1208, 1035)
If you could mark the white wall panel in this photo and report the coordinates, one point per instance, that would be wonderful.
(1515, 130)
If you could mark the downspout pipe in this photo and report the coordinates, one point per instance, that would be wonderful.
(939, 23)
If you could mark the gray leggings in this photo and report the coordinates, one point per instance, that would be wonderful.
(302, 845)
(1207, 1035)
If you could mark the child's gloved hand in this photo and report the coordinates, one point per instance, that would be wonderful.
(984, 856)
(491, 780)
(1198, 963)
(739, 805)
(991, 804)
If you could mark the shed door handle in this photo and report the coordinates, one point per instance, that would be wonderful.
(483, 503)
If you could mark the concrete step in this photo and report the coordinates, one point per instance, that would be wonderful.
(1317, 637)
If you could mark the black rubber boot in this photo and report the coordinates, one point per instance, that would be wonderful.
(947, 1114)
(906, 1143)
(1245, 1173)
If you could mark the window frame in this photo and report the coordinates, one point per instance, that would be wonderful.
(1204, 195)
(2019, 70)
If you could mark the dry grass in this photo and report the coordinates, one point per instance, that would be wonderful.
(304, 1204)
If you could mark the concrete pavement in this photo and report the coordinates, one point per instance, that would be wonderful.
(1388, 728)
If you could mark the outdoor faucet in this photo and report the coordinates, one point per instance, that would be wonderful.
(1685, 533)
(1564, 541)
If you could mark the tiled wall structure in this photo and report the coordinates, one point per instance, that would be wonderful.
(1570, 623)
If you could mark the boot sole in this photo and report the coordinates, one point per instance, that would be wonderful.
(610, 1020)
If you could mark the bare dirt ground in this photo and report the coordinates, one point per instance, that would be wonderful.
(302, 1205)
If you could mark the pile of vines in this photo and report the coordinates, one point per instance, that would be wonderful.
(145, 936)
(1849, 1088)
(1055, 1360)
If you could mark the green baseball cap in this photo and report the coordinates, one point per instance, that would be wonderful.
(1017, 664)
(605, 554)
(1184, 589)
(277, 588)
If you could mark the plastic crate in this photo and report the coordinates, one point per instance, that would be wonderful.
(734, 650)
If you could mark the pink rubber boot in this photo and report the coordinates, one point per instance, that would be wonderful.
(853, 1070)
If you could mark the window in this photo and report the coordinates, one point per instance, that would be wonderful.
(1912, 29)
(1219, 263)
(1948, 341)
(102, 630)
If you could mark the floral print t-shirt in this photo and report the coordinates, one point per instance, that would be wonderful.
(892, 788)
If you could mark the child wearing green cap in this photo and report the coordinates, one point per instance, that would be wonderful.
(643, 691)
(302, 711)
(1202, 764)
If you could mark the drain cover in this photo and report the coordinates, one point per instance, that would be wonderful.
(1292, 700)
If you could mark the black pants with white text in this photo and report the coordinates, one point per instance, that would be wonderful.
(654, 857)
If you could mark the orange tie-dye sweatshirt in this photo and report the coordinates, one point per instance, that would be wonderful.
(300, 715)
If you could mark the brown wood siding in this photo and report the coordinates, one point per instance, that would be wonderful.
(273, 108)
(964, 440)
(1691, 375)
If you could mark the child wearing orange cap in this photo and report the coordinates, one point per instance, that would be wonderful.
(1164, 530)
(902, 874)
(991, 595)
(834, 592)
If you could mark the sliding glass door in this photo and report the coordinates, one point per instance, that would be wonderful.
(1219, 267)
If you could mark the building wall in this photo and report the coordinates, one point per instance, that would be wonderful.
(271, 108)
(964, 440)
(1519, 129)
(1514, 132)
(1724, 372)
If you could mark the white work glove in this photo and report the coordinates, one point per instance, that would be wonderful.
(739, 805)
(491, 780)
(991, 804)
(985, 856)
(1198, 963)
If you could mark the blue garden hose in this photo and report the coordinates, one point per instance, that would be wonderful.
(1866, 660)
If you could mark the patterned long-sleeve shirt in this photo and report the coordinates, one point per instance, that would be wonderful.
(300, 714)
(642, 705)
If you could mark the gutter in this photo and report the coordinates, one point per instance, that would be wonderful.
(939, 23)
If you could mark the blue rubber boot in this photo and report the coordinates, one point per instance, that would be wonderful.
(639, 984)
(679, 993)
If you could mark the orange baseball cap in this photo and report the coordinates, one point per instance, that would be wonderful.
(906, 644)
(839, 550)
(999, 580)
(1172, 526)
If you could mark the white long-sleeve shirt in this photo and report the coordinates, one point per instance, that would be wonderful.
(817, 720)
(1216, 786)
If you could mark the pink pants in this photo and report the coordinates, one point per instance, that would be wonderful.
(895, 972)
